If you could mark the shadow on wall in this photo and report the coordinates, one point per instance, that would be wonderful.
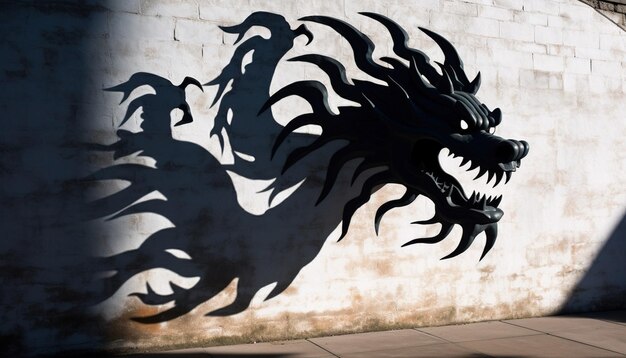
(45, 272)
(397, 131)
(602, 286)
(224, 241)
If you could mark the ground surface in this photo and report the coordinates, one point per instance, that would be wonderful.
(589, 335)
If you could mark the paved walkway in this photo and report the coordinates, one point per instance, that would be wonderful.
(589, 335)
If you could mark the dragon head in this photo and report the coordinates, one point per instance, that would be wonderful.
(402, 126)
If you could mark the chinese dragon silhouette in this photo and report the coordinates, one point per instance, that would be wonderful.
(402, 124)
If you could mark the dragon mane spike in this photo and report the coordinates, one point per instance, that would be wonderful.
(445, 84)
(303, 30)
(400, 45)
(335, 71)
(299, 121)
(302, 152)
(362, 46)
(491, 233)
(466, 241)
(416, 75)
(133, 106)
(137, 80)
(435, 219)
(154, 206)
(313, 92)
(366, 192)
(474, 85)
(259, 18)
(363, 166)
(190, 81)
(445, 230)
(394, 62)
(407, 198)
(337, 161)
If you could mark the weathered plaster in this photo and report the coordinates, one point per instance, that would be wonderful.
(556, 68)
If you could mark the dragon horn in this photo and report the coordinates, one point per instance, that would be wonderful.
(452, 57)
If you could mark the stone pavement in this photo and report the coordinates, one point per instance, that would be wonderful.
(587, 335)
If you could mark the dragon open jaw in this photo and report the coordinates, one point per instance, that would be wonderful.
(483, 207)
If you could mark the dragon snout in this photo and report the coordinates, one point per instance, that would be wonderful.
(510, 150)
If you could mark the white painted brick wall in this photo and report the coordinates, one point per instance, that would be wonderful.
(578, 65)
(170, 8)
(198, 32)
(586, 39)
(517, 31)
(550, 65)
(548, 35)
(606, 68)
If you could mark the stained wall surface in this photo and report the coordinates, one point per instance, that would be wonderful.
(207, 239)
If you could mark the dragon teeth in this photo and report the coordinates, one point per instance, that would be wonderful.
(480, 173)
(490, 176)
(498, 179)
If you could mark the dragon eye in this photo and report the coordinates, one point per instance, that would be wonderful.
(492, 130)
(464, 125)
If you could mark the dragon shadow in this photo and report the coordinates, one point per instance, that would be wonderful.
(395, 136)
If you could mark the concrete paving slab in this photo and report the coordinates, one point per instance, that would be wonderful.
(589, 329)
(536, 346)
(612, 337)
(560, 323)
(431, 350)
(293, 349)
(478, 331)
(611, 316)
(585, 335)
(375, 341)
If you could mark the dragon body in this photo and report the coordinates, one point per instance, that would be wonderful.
(397, 134)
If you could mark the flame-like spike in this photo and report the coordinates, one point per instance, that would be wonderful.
(313, 92)
(362, 46)
(497, 201)
(508, 177)
(469, 234)
(445, 84)
(353, 205)
(464, 161)
(474, 85)
(337, 161)
(433, 220)
(491, 233)
(473, 166)
(483, 202)
(405, 200)
(445, 230)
